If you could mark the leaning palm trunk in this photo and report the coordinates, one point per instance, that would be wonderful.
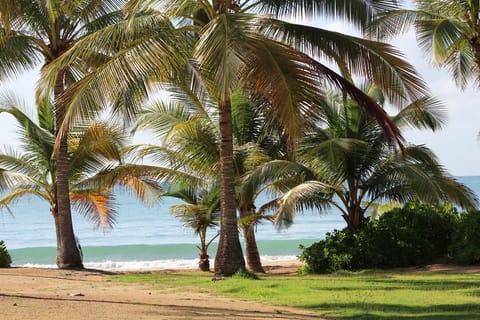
(251, 250)
(68, 254)
(252, 254)
(229, 258)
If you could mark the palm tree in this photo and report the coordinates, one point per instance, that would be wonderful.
(190, 137)
(37, 31)
(347, 163)
(200, 212)
(230, 44)
(96, 165)
(449, 31)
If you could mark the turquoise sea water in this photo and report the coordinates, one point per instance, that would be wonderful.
(149, 237)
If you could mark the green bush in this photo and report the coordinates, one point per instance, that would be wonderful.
(416, 234)
(328, 255)
(412, 235)
(465, 248)
(5, 259)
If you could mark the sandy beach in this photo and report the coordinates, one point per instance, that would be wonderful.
(29, 293)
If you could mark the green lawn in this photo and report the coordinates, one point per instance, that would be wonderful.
(366, 295)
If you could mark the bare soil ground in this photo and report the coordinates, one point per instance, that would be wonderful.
(36, 294)
(28, 293)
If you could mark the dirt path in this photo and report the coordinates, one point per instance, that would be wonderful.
(27, 293)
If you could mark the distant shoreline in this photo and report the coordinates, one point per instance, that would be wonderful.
(158, 265)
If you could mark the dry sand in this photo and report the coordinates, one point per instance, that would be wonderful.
(28, 293)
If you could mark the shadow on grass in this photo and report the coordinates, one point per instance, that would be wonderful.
(427, 285)
(374, 311)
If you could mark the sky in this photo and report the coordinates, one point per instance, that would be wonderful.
(457, 145)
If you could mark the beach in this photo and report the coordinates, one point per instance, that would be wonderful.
(41, 293)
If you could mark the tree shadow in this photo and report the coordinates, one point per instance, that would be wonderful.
(377, 311)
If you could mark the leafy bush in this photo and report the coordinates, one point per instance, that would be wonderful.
(416, 234)
(465, 248)
(5, 259)
(412, 235)
(328, 255)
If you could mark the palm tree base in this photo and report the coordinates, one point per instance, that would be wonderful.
(70, 266)
(204, 264)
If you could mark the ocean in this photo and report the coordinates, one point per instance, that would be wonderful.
(149, 237)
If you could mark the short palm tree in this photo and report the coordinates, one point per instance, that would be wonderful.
(347, 163)
(230, 44)
(448, 30)
(200, 212)
(96, 166)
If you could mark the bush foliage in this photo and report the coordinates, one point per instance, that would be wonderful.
(5, 259)
(413, 235)
(465, 248)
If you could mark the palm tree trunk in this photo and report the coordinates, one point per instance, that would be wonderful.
(475, 43)
(204, 263)
(254, 263)
(68, 253)
(251, 250)
(229, 258)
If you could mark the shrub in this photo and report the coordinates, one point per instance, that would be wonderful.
(327, 255)
(5, 259)
(465, 248)
(412, 235)
(416, 234)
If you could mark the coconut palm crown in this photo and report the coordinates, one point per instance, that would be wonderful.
(448, 31)
(347, 163)
(95, 155)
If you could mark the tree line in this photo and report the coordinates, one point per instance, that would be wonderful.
(257, 102)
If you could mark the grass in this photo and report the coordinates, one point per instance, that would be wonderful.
(363, 295)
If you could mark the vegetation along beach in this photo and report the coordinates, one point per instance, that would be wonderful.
(238, 159)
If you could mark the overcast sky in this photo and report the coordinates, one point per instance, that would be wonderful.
(457, 145)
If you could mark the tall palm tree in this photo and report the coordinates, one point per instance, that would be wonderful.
(95, 157)
(449, 31)
(38, 31)
(229, 44)
(190, 136)
(348, 164)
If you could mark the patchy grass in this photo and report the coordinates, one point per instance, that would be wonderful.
(363, 295)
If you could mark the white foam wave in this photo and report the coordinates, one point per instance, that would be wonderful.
(150, 264)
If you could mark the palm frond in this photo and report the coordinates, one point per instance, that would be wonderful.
(393, 23)
(358, 12)
(436, 36)
(143, 181)
(424, 113)
(220, 53)
(18, 193)
(96, 207)
(308, 195)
